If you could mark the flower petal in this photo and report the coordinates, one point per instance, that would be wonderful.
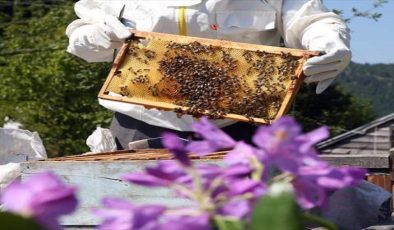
(238, 170)
(121, 215)
(200, 222)
(213, 134)
(241, 153)
(308, 194)
(281, 131)
(201, 148)
(17, 198)
(174, 144)
(240, 187)
(42, 196)
(238, 209)
(312, 138)
(145, 179)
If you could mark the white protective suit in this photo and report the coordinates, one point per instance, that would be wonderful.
(303, 24)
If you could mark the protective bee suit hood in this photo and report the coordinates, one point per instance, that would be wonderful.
(303, 24)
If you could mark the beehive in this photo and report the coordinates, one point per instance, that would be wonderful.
(98, 176)
(196, 76)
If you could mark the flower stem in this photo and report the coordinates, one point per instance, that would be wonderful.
(202, 199)
(318, 220)
(258, 169)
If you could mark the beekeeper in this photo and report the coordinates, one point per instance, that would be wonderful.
(304, 24)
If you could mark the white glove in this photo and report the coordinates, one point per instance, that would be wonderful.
(101, 140)
(331, 37)
(325, 68)
(94, 40)
(110, 33)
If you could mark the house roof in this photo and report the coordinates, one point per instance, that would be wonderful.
(357, 131)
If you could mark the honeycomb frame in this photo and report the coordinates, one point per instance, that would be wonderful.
(126, 58)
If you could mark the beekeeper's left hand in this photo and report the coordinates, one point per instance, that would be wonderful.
(335, 55)
(325, 68)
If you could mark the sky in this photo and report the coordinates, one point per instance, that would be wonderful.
(372, 42)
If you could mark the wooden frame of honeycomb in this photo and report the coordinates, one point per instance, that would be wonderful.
(197, 76)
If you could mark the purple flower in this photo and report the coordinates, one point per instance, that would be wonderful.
(244, 186)
(240, 195)
(308, 140)
(285, 147)
(278, 135)
(313, 183)
(121, 215)
(237, 171)
(242, 154)
(146, 179)
(198, 222)
(42, 196)
(214, 138)
(332, 177)
(308, 194)
(172, 142)
(164, 173)
(236, 209)
(207, 173)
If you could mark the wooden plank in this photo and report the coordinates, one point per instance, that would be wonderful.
(224, 43)
(367, 139)
(135, 155)
(370, 136)
(115, 66)
(388, 183)
(340, 151)
(293, 90)
(169, 106)
(382, 180)
(378, 161)
(363, 146)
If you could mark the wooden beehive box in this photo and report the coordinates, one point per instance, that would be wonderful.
(197, 76)
(97, 176)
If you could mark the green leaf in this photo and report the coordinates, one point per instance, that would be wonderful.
(224, 223)
(12, 221)
(320, 221)
(277, 213)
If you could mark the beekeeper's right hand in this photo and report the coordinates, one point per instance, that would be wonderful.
(95, 42)
(110, 33)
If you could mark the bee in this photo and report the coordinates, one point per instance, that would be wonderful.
(124, 90)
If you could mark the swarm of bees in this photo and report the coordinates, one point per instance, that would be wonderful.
(210, 80)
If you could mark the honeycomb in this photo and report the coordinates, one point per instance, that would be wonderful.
(197, 78)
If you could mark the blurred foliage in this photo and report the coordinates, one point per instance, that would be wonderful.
(370, 13)
(13, 221)
(42, 86)
(54, 93)
(335, 108)
(374, 82)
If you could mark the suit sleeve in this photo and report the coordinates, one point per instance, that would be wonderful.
(308, 24)
(81, 32)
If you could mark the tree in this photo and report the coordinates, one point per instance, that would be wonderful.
(55, 93)
(45, 88)
(371, 13)
(335, 108)
(372, 81)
